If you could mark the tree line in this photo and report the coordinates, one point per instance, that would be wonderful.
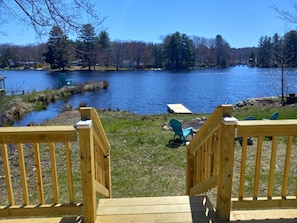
(177, 51)
(277, 51)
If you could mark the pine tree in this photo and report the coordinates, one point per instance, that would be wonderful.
(86, 45)
(57, 49)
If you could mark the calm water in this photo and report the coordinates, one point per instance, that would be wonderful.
(148, 92)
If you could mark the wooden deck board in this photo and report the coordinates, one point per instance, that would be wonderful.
(156, 209)
(44, 220)
(178, 109)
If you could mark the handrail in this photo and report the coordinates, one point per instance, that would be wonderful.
(203, 153)
(95, 161)
(102, 152)
(211, 163)
(18, 145)
(23, 152)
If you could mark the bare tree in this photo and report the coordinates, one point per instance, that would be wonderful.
(288, 15)
(42, 15)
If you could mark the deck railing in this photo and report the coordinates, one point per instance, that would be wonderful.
(272, 160)
(54, 170)
(265, 171)
(203, 154)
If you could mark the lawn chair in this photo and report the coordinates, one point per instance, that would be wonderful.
(250, 141)
(179, 131)
(274, 116)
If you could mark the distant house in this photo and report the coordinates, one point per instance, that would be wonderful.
(77, 62)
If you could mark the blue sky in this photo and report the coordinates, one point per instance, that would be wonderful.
(240, 22)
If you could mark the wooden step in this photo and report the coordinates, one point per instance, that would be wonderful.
(273, 215)
(156, 209)
(76, 219)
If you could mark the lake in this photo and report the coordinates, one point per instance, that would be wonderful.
(148, 92)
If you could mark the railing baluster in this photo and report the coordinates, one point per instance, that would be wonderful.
(204, 162)
(69, 172)
(242, 168)
(212, 155)
(257, 168)
(54, 172)
(272, 167)
(200, 165)
(208, 159)
(216, 153)
(38, 173)
(7, 174)
(99, 162)
(100, 166)
(287, 166)
(23, 173)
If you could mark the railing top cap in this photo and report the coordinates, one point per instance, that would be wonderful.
(229, 120)
(84, 124)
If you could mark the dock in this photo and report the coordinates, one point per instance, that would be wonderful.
(178, 109)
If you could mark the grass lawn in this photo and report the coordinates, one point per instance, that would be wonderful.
(142, 162)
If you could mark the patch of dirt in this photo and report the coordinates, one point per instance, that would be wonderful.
(65, 118)
(195, 123)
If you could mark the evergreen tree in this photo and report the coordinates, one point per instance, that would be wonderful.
(290, 48)
(57, 49)
(179, 51)
(187, 52)
(104, 48)
(86, 45)
(277, 50)
(157, 55)
(265, 52)
(221, 49)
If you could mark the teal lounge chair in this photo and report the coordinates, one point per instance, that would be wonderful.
(250, 141)
(274, 116)
(179, 131)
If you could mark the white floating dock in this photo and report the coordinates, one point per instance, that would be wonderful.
(178, 109)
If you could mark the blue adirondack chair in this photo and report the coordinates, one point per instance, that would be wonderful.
(274, 116)
(179, 131)
(250, 141)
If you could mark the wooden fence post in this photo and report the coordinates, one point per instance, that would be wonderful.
(87, 169)
(226, 167)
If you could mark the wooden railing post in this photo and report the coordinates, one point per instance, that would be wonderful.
(87, 169)
(189, 172)
(226, 162)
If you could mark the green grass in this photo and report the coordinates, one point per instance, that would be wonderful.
(260, 112)
(142, 164)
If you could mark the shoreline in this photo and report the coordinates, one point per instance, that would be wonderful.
(16, 106)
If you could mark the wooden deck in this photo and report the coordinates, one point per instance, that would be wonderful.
(173, 209)
(178, 109)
